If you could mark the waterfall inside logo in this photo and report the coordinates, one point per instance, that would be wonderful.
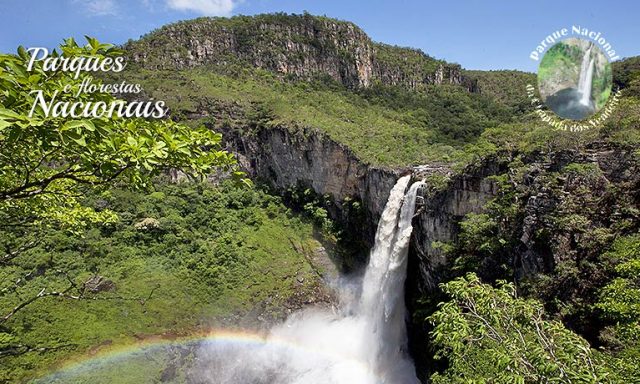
(574, 78)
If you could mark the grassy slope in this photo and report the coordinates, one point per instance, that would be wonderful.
(383, 125)
(431, 126)
(506, 87)
(219, 253)
(443, 123)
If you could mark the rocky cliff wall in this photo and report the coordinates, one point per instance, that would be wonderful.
(312, 160)
(288, 159)
(309, 159)
(438, 218)
(298, 46)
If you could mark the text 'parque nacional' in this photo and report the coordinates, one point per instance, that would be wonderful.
(576, 30)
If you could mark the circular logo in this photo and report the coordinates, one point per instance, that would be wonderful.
(574, 78)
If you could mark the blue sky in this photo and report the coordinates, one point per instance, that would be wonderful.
(477, 34)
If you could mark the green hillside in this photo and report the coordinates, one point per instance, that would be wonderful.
(439, 122)
(433, 124)
(179, 260)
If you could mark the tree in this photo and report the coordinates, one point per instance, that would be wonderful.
(489, 335)
(48, 163)
(619, 305)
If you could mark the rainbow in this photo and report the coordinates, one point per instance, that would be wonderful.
(113, 355)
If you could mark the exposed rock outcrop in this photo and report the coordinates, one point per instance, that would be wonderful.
(608, 191)
(310, 159)
(439, 217)
(297, 46)
(566, 208)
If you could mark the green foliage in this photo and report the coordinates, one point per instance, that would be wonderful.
(453, 114)
(547, 228)
(46, 161)
(415, 65)
(433, 124)
(486, 239)
(479, 234)
(587, 170)
(313, 206)
(626, 75)
(506, 87)
(50, 170)
(623, 127)
(435, 183)
(489, 335)
(619, 305)
(214, 254)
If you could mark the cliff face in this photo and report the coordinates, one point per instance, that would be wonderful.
(309, 159)
(568, 206)
(438, 221)
(302, 47)
(550, 187)
(564, 210)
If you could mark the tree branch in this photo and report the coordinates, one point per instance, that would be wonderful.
(65, 294)
(10, 255)
(21, 349)
(37, 187)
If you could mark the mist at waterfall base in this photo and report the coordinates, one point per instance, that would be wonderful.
(362, 342)
(576, 103)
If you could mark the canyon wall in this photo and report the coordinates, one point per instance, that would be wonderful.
(293, 46)
(309, 159)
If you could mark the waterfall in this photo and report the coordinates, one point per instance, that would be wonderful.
(382, 299)
(586, 77)
(362, 342)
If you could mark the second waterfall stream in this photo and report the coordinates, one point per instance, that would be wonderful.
(362, 342)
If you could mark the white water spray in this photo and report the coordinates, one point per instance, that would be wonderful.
(382, 301)
(363, 343)
(586, 77)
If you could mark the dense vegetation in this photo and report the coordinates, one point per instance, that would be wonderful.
(97, 256)
(178, 260)
(47, 161)
(486, 333)
(434, 124)
(565, 231)
(491, 335)
(505, 87)
(563, 228)
(626, 74)
(566, 236)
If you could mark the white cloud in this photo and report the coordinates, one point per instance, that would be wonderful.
(205, 7)
(99, 7)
